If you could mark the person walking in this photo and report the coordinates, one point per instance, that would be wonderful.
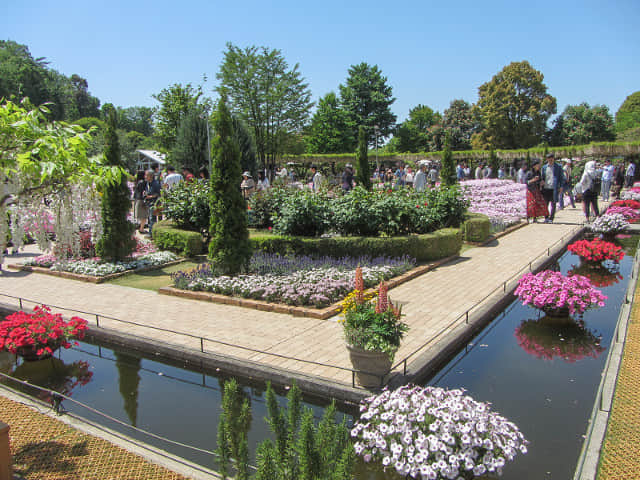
(317, 179)
(420, 180)
(586, 186)
(536, 206)
(347, 178)
(151, 195)
(607, 178)
(566, 187)
(552, 180)
(140, 209)
(630, 174)
(522, 173)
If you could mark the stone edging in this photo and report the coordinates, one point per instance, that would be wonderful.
(90, 278)
(319, 313)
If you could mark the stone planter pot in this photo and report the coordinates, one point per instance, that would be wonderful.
(371, 367)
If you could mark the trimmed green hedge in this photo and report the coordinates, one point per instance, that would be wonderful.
(167, 236)
(476, 227)
(430, 246)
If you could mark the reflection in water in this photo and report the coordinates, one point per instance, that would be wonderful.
(51, 374)
(600, 275)
(128, 368)
(549, 338)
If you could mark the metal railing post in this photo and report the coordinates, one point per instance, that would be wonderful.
(97, 320)
(20, 300)
(201, 344)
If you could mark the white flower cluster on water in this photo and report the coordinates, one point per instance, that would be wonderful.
(503, 201)
(609, 222)
(630, 195)
(318, 285)
(433, 433)
(100, 269)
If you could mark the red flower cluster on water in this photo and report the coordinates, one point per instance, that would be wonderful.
(39, 330)
(596, 250)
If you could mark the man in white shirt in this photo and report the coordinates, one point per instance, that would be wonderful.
(420, 180)
(607, 178)
(172, 178)
(630, 175)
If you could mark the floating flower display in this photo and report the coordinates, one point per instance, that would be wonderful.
(596, 250)
(433, 433)
(36, 335)
(548, 339)
(551, 291)
(609, 224)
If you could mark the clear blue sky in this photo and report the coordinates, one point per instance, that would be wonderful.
(431, 52)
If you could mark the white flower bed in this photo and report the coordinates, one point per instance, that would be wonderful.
(433, 433)
(609, 223)
(318, 286)
(100, 269)
(503, 201)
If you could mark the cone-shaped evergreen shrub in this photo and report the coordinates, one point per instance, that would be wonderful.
(117, 240)
(229, 249)
(364, 172)
(448, 172)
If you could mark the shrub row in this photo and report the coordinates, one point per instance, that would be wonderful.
(167, 236)
(425, 247)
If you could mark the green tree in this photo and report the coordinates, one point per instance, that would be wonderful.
(364, 172)
(513, 108)
(248, 155)
(21, 75)
(117, 241)
(367, 99)
(271, 98)
(448, 172)
(192, 141)
(582, 124)
(136, 119)
(85, 104)
(175, 103)
(229, 248)
(460, 122)
(330, 130)
(420, 132)
(628, 117)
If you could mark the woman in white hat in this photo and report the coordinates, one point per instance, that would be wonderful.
(247, 186)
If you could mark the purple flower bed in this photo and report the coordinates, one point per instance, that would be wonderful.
(294, 280)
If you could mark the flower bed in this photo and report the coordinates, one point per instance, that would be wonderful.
(626, 203)
(596, 250)
(630, 214)
(503, 201)
(433, 433)
(552, 290)
(548, 340)
(609, 224)
(294, 280)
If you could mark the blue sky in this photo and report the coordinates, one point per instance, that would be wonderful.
(430, 52)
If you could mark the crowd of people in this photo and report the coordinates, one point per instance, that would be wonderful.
(550, 184)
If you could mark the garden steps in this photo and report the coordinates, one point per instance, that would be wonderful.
(431, 302)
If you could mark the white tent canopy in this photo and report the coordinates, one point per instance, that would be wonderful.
(147, 157)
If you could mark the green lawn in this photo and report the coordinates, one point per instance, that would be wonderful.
(155, 279)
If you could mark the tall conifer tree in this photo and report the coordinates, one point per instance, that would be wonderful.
(229, 248)
(364, 172)
(117, 240)
(448, 172)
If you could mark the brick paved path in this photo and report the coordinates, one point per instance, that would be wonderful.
(430, 301)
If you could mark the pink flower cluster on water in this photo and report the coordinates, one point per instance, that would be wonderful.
(503, 201)
(554, 290)
(433, 433)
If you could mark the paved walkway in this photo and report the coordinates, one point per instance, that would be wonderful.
(430, 303)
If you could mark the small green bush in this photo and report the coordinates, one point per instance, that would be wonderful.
(167, 236)
(303, 213)
(187, 204)
(265, 205)
(476, 228)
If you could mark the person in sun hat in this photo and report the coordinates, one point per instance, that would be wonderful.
(248, 185)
